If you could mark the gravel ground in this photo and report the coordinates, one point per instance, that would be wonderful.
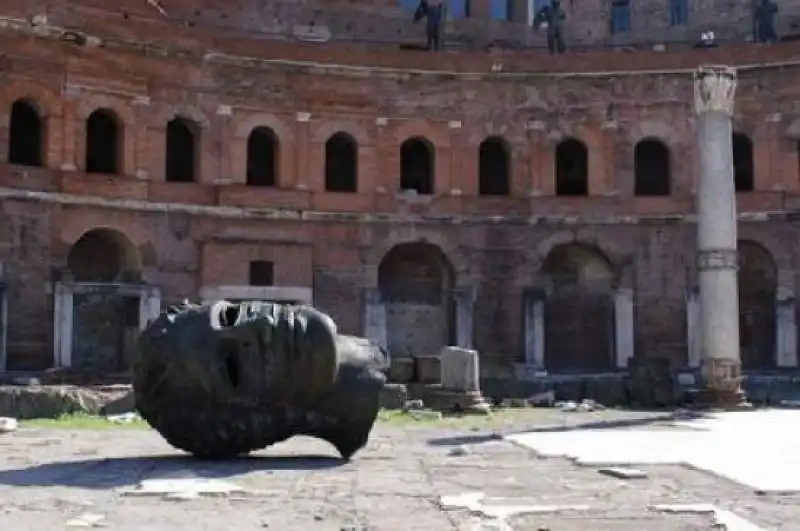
(51, 476)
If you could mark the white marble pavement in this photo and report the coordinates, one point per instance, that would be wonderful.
(759, 449)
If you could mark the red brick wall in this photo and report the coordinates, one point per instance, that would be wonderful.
(184, 249)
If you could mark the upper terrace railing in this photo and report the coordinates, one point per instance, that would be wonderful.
(147, 31)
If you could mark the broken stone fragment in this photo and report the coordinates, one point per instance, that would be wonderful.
(8, 424)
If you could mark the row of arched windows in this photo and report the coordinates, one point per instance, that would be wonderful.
(652, 157)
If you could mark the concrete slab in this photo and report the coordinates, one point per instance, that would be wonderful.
(757, 449)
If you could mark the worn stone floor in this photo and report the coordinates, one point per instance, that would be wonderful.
(59, 479)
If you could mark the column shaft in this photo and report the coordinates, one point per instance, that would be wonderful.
(716, 237)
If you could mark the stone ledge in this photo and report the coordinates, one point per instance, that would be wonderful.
(279, 214)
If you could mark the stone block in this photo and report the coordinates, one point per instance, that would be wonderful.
(460, 369)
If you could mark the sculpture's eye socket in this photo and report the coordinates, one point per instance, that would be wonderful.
(229, 314)
(230, 361)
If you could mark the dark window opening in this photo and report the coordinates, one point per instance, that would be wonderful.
(620, 17)
(494, 168)
(341, 164)
(181, 163)
(262, 157)
(572, 168)
(25, 135)
(102, 142)
(679, 12)
(500, 9)
(416, 166)
(262, 273)
(743, 170)
(651, 162)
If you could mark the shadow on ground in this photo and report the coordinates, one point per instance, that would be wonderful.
(649, 420)
(125, 471)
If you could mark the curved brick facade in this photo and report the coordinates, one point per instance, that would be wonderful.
(553, 185)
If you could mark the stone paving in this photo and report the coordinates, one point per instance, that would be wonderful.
(59, 479)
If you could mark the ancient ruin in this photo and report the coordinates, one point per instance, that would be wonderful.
(223, 379)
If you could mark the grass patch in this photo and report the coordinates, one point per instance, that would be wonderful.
(82, 421)
(85, 421)
(498, 418)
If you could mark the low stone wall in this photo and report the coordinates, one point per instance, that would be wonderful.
(51, 401)
(619, 390)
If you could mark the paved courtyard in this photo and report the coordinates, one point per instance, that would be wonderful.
(62, 479)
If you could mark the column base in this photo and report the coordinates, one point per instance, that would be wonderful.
(727, 399)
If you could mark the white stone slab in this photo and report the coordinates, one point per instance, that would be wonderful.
(184, 488)
(722, 444)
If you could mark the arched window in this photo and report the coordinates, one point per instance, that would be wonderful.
(341, 163)
(494, 167)
(651, 162)
(103, 142)
(743, 169)
(25, 135)
(572, 168)
(417, 165)
(182, 152)
(262, 157)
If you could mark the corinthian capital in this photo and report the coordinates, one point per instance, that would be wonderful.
(714, 89)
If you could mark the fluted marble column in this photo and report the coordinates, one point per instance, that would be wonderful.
(714, 89)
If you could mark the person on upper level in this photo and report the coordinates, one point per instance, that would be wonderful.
(765, 13)
(553, 18)
(433, 12)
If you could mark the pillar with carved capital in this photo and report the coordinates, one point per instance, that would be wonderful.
(714, 89)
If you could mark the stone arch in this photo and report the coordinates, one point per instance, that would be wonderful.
(758, 287)
(123, 113)
(415, 281)
(104, 254)
(572, 167)
(252, 121)
(652, 167)
(653, 129)
(184, 112)
(26, 134)
(355, 130)
(47, 102)
(579, 282)
(494, 166)
(422, 129)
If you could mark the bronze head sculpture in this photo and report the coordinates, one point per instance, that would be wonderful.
(224, 379)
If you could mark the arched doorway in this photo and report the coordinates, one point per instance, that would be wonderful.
(758, 285)
(579, 310)
(106, 301)
(415, 282)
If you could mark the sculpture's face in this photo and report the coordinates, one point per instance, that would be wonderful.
(225, 379)
(255, 352)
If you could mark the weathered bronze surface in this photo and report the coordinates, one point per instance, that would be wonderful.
(223, 379)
